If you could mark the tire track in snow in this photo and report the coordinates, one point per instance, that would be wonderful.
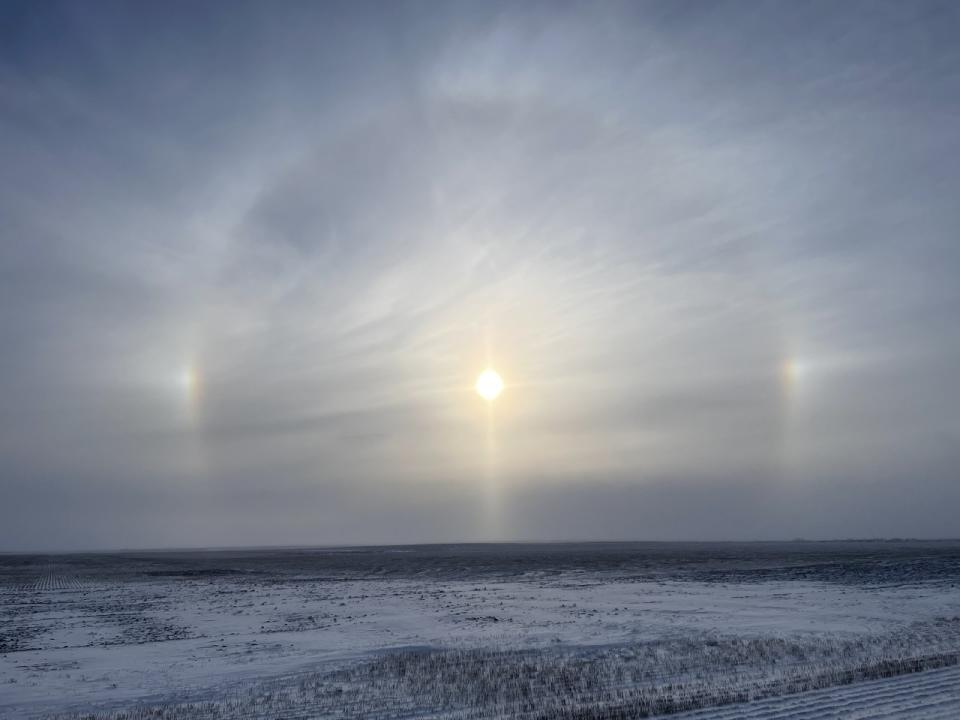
(54, 579)
(928, 695)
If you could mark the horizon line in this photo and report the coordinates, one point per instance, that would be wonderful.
(370, 546)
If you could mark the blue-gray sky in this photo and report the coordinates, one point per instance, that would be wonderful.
(253, 255)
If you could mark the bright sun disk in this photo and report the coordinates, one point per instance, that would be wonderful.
(489, 384)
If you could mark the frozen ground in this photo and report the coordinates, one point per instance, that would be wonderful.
(932, 695)
(476, 631)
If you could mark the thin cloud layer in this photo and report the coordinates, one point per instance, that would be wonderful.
(253, 258)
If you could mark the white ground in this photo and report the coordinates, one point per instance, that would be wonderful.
(931, 695)
(236, 629)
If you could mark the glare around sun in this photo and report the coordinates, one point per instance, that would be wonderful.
(489, 384)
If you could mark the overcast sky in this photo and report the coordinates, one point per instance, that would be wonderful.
(253, 257)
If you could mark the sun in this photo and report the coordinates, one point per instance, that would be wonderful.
(489, 384)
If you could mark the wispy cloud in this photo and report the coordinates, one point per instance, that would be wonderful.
(331, 218)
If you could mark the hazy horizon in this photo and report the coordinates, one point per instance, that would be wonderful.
(56, 552)
(254, 256)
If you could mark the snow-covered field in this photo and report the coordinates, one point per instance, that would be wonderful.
(587, 630)
(932, 695)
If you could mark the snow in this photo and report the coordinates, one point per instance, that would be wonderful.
(931, 695)
(86, 639)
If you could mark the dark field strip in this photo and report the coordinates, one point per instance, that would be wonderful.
(879, 562)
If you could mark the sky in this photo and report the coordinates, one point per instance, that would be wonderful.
(254, 255)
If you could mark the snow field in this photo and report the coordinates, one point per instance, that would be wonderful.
(930, 695)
